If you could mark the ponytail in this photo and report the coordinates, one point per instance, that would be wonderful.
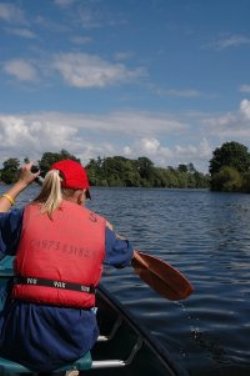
(51, 195)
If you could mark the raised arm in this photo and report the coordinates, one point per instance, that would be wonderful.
(26, 177)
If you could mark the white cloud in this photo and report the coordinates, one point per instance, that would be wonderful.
(139, 123)
(84, 71)
(76, 69)
(191, 152)
(219, 122)
(84, 135)
(127, 150)
(12, 131)
(171, 156)
(32, 135)
(245, 89)
(227, 41)
(20, 69)
(19, 135)
(11, 13)
(150, 145)
(232, 125)
(245, 109)
(21, 32)
(117, 123)
(163, 138)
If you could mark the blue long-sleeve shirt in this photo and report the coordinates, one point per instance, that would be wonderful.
(44, 337)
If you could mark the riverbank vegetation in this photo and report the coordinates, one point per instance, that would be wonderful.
(119, 171)
(229, 171)
(141, 172)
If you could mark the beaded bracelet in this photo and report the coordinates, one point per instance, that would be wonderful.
(9, 198)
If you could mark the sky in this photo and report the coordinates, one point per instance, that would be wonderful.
(165, 79)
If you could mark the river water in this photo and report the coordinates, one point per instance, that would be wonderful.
(206, 235)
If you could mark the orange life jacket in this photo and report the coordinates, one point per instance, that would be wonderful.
(68, 249)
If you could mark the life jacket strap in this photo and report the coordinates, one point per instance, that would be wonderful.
(55, 284)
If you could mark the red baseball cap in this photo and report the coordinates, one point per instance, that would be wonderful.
(74, 175)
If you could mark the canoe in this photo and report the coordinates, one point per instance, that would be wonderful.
(123, 348)
(139, 352)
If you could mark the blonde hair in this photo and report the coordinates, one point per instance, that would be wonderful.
(51, 194)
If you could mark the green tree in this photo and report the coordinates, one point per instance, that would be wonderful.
(144, 167)
(65, 154)
(182, 168)
(230, 154)
(191, 168)
(228, 179)
(147, 172)
(246, 182)
(201, 180)
(120, 171)
(48, 158)
(160, 177)
(172, 176)
(94, 169)
(10, 170)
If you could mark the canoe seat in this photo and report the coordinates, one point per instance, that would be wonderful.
(9, 367)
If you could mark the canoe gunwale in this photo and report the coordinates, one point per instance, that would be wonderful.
(151, 342)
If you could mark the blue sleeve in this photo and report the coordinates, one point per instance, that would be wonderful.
(118, 252)
(10, 230)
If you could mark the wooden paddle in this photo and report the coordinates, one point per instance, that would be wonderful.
(161, 276)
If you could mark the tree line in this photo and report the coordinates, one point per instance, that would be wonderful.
(229, 170)
(118, 171)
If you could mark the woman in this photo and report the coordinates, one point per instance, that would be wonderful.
(60, 247)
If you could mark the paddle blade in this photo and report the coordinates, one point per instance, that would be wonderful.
(161, 276)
